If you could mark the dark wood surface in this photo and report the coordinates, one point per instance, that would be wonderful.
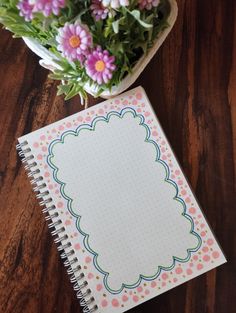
(192, 84)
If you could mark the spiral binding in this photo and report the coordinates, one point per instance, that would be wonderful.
(64, 246)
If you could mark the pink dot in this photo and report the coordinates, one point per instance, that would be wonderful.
(203, 234)
(67, 222)
(154, 133)
(117, 102)
(61, 127)
(88, 119)
(50, 186)
(101, 111)
(164, 157)
(147, 292)
(36, 145)
(44, 148)
(163, 150)
(173, 176)
(153, 284)
(54, 130)
(79, 118)
(77, 246)
(68, 125)
(215, 254)
(135, 298)
(202, 225)
(192, 210)
(134, 102)
(104, 303)
(46, 174)
(60, 204)
(90, 275)
(42, 137)
(164, 276)
(115, 303)
(199, 216)
(125, 298)
(39, 156)
(163, 284)
(178, 270)
(191, 264)
(199, 266)
(189, 271)
(177, 172)
(183, 192)
(139, 95)
(180, 182)
(125, 102)
(195, 257)
(206, 258)
(92, 112)
(88, 259)
(139, 110)
(99, 287)
(210, 242)
(147, 114)
(205, 249)
(140, 289)
(49, 137)
(188, 200)
(175, 280)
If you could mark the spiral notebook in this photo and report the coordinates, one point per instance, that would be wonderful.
(121, 211)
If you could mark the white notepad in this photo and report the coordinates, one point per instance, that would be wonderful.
(125, 218)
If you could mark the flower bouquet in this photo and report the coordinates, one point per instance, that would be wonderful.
(94, 46)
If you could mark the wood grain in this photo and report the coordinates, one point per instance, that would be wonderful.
(192, 84)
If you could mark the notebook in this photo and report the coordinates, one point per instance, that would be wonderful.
(126, 222)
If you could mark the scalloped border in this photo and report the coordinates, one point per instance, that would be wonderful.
(91, 127)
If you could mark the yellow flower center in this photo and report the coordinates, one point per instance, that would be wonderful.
(74, 41)
(100, 66)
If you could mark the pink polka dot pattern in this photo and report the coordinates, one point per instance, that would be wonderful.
(206, 255)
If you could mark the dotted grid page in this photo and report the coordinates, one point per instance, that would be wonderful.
(133, 221)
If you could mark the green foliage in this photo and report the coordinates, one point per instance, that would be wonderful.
(128, 33)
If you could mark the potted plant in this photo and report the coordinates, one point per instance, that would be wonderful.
(91, 46)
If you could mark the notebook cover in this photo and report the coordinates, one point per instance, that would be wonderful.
(123, 215)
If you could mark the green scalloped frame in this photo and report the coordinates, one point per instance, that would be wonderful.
(91, 127)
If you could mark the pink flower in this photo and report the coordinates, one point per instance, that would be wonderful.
(148, 4)
(26, 9)
(48, 7)
(100, 65)
(98, 10)
(74, 41)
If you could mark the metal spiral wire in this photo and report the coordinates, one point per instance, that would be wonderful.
(64, 246)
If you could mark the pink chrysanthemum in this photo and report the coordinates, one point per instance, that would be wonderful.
(26, 9)
(48, 7)
(100, 65)
(74, 41)
(148, 4)
(115, 4)
(98, 10)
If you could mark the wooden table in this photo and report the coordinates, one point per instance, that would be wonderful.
(192, 85)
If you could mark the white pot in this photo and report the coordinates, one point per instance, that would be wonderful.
(47, 58)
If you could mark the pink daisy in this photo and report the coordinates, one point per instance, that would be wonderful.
(74, 41)
(47, 7)
(98, 10)
(26, 9)
(100, 65)
(148, 4)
